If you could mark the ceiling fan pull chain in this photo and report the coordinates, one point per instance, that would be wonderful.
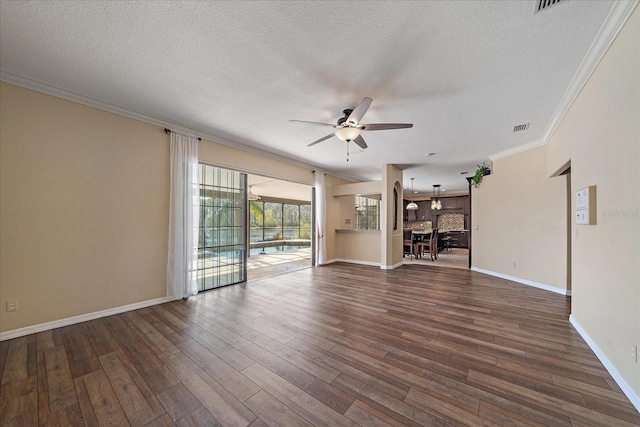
(347, 151)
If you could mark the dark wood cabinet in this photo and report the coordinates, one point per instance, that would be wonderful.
(422, 214)
(459, 205)
(453, 203)
(459, 239)
(449, 203)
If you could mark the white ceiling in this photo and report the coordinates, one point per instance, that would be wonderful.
(464, 72)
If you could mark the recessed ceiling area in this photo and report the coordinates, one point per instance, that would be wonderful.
(463, 72)
(278, 189)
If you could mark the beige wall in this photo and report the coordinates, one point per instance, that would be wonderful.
(363, 188)
(600, 138)
(382, 247)
(233, 158)
(336, 214)
(84, 206)
(358, 246)
(83, 209)
(521, 219)
(600, 135)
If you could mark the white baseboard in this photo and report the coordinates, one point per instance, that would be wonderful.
(28, 330)
(523, 281)
(391, 267)
(357, 261)
(626, 388)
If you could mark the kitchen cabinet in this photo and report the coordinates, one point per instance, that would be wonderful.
(461, 239)
(422, 214)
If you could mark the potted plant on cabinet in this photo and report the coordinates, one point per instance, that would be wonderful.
(482, 170)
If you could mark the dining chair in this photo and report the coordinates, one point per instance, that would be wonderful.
(407, 242)
(431, 245)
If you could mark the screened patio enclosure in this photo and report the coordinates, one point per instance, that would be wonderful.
(240, 239)
(284, 226)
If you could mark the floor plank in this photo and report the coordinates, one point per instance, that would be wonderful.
(59, 380)
(16, 364)
(178, 401)
(218, 401)
(19, 402)
(105, 404)
(365, 415)
(273, 412)
(86, 407)
(80, 354)
(137, 408)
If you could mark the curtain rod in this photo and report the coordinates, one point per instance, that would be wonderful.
(167, 130)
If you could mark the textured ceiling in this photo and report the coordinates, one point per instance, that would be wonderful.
(463, 72)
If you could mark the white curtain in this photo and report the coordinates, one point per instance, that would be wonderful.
(184, 202)
(321, 217)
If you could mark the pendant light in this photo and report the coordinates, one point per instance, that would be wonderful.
(412, 206)
(435, 200)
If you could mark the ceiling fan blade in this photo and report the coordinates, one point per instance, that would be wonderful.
(312, 123)
(358, 112)
(385, 126)
(360, 141)
(321, 139)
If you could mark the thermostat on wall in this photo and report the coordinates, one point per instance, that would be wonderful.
(586, 206)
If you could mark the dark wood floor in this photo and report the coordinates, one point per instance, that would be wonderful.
(335, 345)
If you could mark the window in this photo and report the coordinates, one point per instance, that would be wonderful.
(367, 213)
(222, 235)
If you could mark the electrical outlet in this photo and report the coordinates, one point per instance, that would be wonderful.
(12, 306)
(634, 353)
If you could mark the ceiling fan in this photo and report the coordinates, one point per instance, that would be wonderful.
(349, 126)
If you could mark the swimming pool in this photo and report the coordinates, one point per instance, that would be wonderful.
(277, 246)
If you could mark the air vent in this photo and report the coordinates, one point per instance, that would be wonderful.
(541, 5)
(521, 127)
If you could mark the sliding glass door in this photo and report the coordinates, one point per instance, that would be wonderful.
(222, 241)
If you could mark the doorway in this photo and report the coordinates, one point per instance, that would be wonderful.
(280, 227)
(565, 170)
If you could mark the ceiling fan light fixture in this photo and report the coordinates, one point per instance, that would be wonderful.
(348, 133)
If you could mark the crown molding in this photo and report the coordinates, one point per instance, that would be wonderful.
(620, 12)
(9, 77)
(618, 16)
(519, 149)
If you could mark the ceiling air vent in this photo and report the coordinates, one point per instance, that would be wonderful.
(521, 127)
(541, 5)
